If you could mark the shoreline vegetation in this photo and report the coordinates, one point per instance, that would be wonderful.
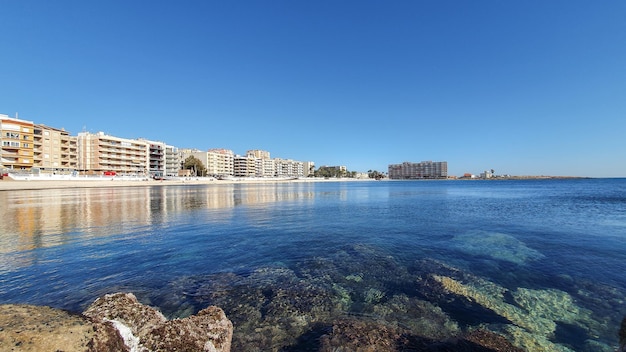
(8, 184)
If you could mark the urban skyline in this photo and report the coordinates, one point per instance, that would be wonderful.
(526, 88)
(73, 156)
(29, 146)
(26, 145)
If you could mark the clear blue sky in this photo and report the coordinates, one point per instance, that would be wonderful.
(523, 87)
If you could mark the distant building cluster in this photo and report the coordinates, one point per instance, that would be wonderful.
(421, 170)
(42, 149)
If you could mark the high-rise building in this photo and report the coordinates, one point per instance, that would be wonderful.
(54, 150)
(268, 168)
(424, 169)
(100, 153)
(221, 162)
(156, 158)
(245, 166)
(288, 168)
(172, 161)
(16, 139)
(217, 162)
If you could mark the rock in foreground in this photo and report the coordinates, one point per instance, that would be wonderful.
(209, 330)
(32, 328)
(116, 322)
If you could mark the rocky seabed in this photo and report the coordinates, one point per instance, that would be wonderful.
(358, 299)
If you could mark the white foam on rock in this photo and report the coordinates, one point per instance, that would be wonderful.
(131, 341)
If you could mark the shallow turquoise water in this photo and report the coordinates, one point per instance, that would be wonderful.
(171, 244)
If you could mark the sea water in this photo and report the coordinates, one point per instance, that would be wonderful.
(542, 262)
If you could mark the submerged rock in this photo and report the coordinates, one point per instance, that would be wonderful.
(495, 245)
(365, 335)
(277, 308)
(536, 316)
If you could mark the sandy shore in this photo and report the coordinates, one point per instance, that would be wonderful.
(13, 185)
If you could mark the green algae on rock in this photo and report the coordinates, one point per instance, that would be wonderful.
(534, 314)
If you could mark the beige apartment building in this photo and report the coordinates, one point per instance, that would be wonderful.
(308, 168)
(218, 162)
(424, 169)
(245, 166)
(54, 150)
(16, 143)
(264, 165)
(99, 153)
(259, 154)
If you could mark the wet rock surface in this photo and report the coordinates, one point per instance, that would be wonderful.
(209, 330)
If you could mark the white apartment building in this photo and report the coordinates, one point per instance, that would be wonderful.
(172, 161)
(100, 153)
(268, 168)
(156, 158)
(165, 160)
(288, 168)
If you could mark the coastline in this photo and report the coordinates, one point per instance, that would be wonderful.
(38, 184)
(22, 185)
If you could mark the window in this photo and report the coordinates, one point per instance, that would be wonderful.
(10, 144)
(25, 145)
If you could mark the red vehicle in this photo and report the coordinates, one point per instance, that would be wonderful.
(109, 173)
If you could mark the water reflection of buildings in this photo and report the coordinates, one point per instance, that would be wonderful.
(37, 219)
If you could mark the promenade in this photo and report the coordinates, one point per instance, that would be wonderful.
(15, 185)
